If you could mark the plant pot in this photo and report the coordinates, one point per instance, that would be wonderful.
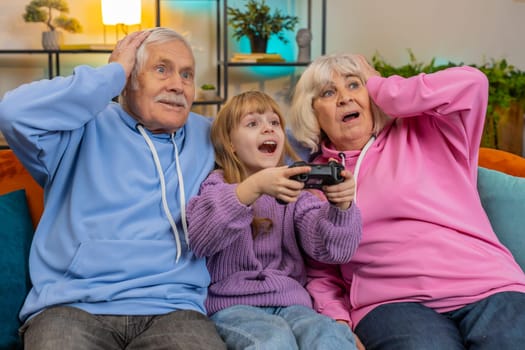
(258, 44)
(207, 95)
(52, 40)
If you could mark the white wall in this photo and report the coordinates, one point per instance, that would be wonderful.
(468, 31)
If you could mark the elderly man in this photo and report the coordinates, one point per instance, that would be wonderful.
(109, 262)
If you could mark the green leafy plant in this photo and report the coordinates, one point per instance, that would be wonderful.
(257, 22)
(413, 67)
(506, 86)
(506, 83)
(53, 14)
(506, 96)
(207, 86)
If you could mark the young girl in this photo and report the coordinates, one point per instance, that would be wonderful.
(254, 245)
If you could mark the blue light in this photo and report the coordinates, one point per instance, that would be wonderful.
(188, 6)
(274, 46)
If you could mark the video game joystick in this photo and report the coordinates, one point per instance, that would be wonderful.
(320, 175)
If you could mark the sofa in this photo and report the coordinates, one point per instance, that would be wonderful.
(501, 185)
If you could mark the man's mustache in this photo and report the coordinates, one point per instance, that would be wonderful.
(172, 99)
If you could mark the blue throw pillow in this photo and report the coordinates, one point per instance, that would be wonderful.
(503, 198)
(16, 232)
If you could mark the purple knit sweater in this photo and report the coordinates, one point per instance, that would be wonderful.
(267, 270)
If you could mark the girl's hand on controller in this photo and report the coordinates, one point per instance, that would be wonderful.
(275, 182)
(341, 194)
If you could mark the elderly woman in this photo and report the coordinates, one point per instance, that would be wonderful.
(430, 272)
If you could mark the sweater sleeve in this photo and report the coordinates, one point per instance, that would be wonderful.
(216, 218)
(328, 290)
(457, 97)
(325, 232)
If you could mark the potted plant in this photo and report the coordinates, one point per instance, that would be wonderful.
(208, 91)
(503, 127)
(258, 23)
(53, 14)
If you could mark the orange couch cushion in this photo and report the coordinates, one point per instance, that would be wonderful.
(503, 161)
(13, 176)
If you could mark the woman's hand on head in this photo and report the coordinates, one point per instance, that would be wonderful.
(342, 194)
(366, 68)
(275, 182)
(126, 50)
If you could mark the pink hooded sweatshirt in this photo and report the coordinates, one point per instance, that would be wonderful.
(426, 237)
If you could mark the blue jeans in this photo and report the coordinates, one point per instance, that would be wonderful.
(496, 322)
(281, 328)
(66, 327)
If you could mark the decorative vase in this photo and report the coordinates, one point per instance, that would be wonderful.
(52, 40)
(304, 39)
(258, 44)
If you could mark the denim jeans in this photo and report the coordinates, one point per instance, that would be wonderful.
(281, 328)
(71, 328)
(494, 323)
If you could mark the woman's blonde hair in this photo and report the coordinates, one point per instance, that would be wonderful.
(229, 118)
(303, 121)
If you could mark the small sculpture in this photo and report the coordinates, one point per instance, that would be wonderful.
(303, 39)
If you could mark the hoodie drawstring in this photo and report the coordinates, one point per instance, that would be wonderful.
(182, 196)
(165, 206)
(359, 161)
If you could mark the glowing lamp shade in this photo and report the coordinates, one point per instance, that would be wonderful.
(121, 12)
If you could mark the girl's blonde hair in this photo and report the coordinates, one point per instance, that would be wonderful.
(229, 118)
(303, 121)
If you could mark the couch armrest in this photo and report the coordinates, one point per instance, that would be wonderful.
(503, 161)
(13, 176)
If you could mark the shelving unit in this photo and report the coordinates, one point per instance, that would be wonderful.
(226, 62)
(53, 64)
(223, 62)
(53, 57)
(219, 100)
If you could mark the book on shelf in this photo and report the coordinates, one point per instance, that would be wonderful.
(87, 46)
(257, 57)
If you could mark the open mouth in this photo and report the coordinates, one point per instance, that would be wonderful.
(268, 147)
(350, 116)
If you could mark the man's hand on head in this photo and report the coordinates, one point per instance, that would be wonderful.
(126, 50)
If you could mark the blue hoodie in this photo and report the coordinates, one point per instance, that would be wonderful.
(104, 243)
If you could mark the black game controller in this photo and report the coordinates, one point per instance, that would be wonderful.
(320, 175)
